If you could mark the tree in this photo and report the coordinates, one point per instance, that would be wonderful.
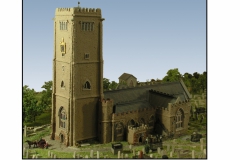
(113, 85)
(46, 98)
(172, 75)
(30, 107)
(106, 84)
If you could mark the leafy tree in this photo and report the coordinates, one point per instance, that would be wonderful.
(196, 75)
(46, 98)
(172, 75)
(30, 107)
(106, 84)
(113, 85)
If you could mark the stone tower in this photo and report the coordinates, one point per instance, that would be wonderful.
(77, 74)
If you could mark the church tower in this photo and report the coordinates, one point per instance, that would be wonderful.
(77, 74)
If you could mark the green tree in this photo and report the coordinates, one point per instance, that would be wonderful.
(30, 107)
(172, 75)
(46, 98)
(113, 85)
(106, 84)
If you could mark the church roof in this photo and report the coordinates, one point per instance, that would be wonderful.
(175, 89)
(140, 97)
(131, 106)
(125, 76)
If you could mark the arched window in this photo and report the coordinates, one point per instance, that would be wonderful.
(60, 25)
(62, 117)
(179, 119)
(131, 123)
(119, 129)
(87, 85)
(131, 83)
(142, 122)
(62, 84)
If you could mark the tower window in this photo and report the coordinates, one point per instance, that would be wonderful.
(62, 117)
(87, 26)
(179, 119)
(87, 85)
(86, 56)
(62, 84)
(63, 47)
(63, 25)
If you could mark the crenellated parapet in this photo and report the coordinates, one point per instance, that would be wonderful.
(78, 10)
(138, 129)
(173, 107)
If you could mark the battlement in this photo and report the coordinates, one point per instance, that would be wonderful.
(172, 105)
(87, 10)
(136, 129)
(77, 10)
(105, 101)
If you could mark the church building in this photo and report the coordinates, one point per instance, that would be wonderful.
(81, 111)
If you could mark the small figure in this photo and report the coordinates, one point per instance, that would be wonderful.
(146, 140)
(157, 136)
(160, 141)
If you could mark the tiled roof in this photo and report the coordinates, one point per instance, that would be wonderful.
(125, 76)
(139, 97)
(131, 106)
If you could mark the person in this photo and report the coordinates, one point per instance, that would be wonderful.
(160, 141)
(147, 140)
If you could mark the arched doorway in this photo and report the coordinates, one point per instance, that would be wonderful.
(140, 139)
(61, 138)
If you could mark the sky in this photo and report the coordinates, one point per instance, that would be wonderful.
(142, 38)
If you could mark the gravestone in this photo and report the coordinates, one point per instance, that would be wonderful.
(119, 154)
(143, 150)
(97, 154)
(91, 154)
(49, 154)
(27, 154)
(126, 155)
(55, 156)
(159, 150)
(130, 147)
(162, 152)
(86, 156)
(201, 147)
(36, 156)
(171, 154)
(25, 131)
(33, 156)
(168, 147)
(151, 155)
(52, 155)
(193, 155)
(134, 152)
(24, 151)
(138, 153)
(74, 154)
(150, 151)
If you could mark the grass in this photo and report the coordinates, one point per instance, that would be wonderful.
(43, 133)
